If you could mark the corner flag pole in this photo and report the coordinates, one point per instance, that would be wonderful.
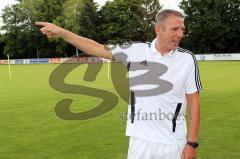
(9, 67)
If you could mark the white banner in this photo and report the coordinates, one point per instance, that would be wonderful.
(217, 57)
(199, 57)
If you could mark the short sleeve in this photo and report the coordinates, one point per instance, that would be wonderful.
(192, 83)
(129, 52)
(122, 53)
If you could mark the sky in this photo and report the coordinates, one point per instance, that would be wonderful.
(167, 4)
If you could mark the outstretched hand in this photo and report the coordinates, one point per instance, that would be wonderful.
(50, 30)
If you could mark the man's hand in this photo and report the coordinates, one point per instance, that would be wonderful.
(51, 30)
(189, 152)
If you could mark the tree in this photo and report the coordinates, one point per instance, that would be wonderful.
(22, 38)
(79, 16)
(12, 21)
(214, 26)
(119, 21)
(87, 19)
(2, 44)
(151, 8)
(128, 20)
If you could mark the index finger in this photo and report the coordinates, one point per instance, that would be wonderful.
(41, 23)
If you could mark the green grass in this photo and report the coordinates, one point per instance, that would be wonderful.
(219, 134)
(30, 129)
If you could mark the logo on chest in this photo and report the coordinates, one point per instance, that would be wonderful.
(144, 62)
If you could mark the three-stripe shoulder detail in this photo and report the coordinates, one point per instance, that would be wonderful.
(197, 75)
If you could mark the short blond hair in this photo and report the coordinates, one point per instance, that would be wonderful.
(164, 14)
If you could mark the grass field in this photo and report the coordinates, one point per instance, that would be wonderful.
(30, 129)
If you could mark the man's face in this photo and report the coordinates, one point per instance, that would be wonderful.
(171, 32)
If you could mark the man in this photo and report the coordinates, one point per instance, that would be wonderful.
(163, 137)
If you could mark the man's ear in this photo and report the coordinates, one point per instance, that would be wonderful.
(158, 29)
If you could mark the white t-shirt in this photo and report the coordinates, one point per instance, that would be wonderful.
(158, 85)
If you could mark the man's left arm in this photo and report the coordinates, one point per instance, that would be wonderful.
(193, 101)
